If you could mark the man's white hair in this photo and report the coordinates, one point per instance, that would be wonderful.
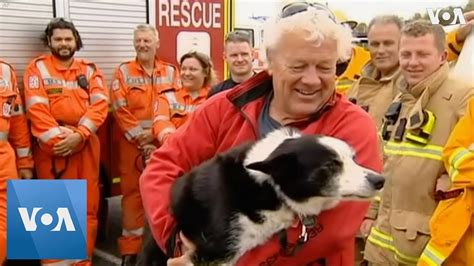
(147, 27)
(318, 26)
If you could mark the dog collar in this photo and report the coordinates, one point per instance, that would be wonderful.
(307, 222)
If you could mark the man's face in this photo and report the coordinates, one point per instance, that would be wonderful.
(62, 44)
(303, 74)
(419, 57)
(383, 46)
(145, 44)
(238, 56)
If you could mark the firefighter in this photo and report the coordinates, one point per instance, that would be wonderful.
(15, 146)
(375, 90)
(67, 101)
(416, 126)
(454, 245)
(175, 105)
(134, 90)
(350, 71)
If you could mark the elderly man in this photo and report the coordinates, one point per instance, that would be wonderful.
(135, 90)
(415, 129)
(298, 90)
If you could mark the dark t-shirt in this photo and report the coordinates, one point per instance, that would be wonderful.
(224, 85)
(266, 124)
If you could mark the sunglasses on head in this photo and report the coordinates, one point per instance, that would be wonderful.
(59, 19)
(298, 7)
(237, 33)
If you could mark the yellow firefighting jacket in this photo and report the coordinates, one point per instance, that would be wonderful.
(374, 94)
(459, 161)
(359, 59)
(412, 168)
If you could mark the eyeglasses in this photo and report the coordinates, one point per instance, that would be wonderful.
(52, 23)
(298, 7)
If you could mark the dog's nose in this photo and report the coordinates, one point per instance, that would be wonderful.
(375, 180)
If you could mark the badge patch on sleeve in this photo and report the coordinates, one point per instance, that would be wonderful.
(7, 107)
(115, 85)
(3, 84)
(33, 82)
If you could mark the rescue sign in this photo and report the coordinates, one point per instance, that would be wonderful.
(192, 25)
(176, 13)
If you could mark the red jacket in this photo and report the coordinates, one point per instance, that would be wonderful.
(230, 119)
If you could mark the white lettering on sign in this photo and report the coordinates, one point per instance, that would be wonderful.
(176, 13)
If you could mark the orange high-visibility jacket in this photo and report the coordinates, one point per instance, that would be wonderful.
(453, 217)
(14, 138)
(173, 109)
(54, 98)
(13, 124)
(134, 93)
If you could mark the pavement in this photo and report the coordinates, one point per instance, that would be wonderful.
(106, 252)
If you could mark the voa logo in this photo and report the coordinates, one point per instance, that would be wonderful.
(47, 227)
(29, 219)
(451, 18)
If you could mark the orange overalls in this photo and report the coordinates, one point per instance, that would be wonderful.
(173, 108)
(54, 98)
(133, 94)
(14, 138)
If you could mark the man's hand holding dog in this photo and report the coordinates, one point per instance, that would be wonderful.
(187, 249)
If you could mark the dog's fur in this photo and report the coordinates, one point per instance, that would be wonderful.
(239, 199)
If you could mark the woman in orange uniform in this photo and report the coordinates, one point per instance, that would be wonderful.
(174, 105)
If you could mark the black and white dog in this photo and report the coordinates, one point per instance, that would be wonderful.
(239, 199)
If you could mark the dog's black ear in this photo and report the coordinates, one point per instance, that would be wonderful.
(274, 163)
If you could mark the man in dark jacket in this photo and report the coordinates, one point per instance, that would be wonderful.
(238, 56)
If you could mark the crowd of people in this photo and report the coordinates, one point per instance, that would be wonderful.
(395, 104)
